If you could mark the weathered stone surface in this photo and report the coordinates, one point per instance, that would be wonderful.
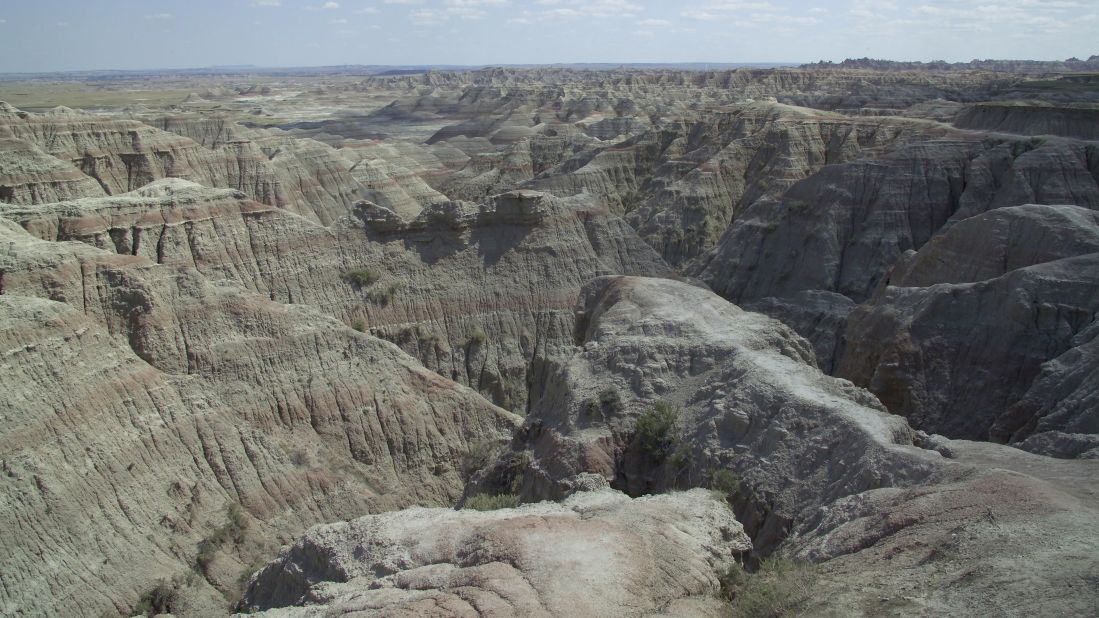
(820, 317)
(964, 545)
(820, 467)
(141, 399)
(481, 293)
(303, 176)
(748, 393)
(596, 554)
(953, 356)
(842, 229)
(30, 176)
(1030, 119)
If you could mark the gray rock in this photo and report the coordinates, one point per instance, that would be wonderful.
(954, 356)
(596, 554)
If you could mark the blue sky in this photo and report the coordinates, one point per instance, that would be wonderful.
(46, 35)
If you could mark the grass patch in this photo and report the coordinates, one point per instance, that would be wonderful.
(654, 429)
(383, 294)
(485, 502)
(361, 277)
(777, 589)
(478, 337)
(232, 530)
(359, 324)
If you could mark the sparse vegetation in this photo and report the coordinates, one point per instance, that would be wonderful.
(776, 589)
(246, 574)
(478, 457)
(654, 430)
(724, 482)
(486, 502)
(383, 294)
(359, 324)
(610, 400)
(428, 337)
(478, 337)
(631, 200)
(361, 277)
(232, 530)
(299, 458)
(159, 600)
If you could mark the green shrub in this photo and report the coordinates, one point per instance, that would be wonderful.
(485, 502)
(232, 530)
(159, 600)
(382, 295)
(777, 589)
(724, 482)
(478, 337)
(478, 457)
(681, 458)
(361, 277)
(654, 429)
(426, 336)
(359, 324)
(610, 401)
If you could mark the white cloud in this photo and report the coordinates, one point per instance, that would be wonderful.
(654, 23)
(427, 17)
(572, 9)
(340, 20)
(754, 15)
(161, 16)
(262, 3)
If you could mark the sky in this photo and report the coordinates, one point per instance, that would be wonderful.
(53, 35)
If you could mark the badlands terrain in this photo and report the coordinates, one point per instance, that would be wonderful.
(551, 341)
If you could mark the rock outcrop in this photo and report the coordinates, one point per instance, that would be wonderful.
(30, 176)
(1029, 119)
(842, 229)
(122, 155)
(965, 324)
(481, 293)
(744, 389)
(595, 554)
(815, 468)
(142, 399)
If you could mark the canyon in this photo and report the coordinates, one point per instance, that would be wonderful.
(554, 341)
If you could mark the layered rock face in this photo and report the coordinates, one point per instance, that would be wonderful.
(122, 155)
(749, 155)
(481, 293)
(818, 461)
(30, 176)
(963, 328)
(1074, 122)
(746, 391)
(217, 336)
(142, 399)
(596, 554)
(821, 471)
(842, 229)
